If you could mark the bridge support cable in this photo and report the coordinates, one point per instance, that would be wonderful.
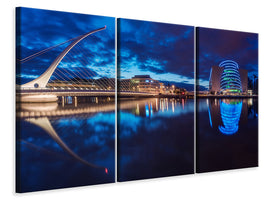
(71, 68)
(42, 80)
(86, 73)
(74, 80)
(28, 58)
(62, 80)
(70, 74)
(85, 62)
(83, 80)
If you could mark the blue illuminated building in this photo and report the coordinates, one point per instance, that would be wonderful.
(228, 78)
(230, 81)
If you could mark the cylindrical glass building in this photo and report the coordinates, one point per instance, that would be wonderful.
(230, 79)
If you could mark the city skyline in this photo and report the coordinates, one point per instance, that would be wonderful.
(161, 50)
(164, 51)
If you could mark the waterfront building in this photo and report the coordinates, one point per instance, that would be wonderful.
(144, 83)
(228, 78)
(162, 88)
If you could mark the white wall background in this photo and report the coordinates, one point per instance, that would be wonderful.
(242, 15)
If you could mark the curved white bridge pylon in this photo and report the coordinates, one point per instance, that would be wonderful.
(42, 80)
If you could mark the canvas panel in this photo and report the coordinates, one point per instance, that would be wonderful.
(155, 100)
(227, 100)
(65, 93)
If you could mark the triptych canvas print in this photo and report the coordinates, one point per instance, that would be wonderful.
(101, 100)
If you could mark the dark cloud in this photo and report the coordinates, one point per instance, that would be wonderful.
(39, 29)
(157, 47)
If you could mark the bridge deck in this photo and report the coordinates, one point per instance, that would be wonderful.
(80, 92)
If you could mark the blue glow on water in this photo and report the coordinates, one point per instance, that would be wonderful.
(147, 110)
(235, 144)
(151, 110)
(45, 165)
(156, 142)
(108, 118)
(210, 117)
(230, 114)
(131, 124)
(69, 100)
(129, 121)
(63, 122)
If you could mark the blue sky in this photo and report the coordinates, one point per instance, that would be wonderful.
(163, 51)
(215, 46)
(40, 29)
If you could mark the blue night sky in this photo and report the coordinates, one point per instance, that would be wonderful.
(40, 29)
(215, 46)
(163, 51)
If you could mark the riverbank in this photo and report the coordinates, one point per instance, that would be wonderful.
(227, 96)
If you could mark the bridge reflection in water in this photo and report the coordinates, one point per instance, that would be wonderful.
(66, 144)
(227, 134)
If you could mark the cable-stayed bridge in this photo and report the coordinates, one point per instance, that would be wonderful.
(74, 77)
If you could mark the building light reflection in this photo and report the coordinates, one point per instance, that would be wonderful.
(167, 104)
(137, 109)
(250, 102)
(147, 110)
(69, 100)
(210, 117)
(162, 104)
(151, 109)
(230, 114)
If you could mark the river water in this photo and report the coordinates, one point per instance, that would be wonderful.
(155, 138)
(72, 143)
(227, 134)
(65, 144)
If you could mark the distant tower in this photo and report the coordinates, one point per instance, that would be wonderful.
(230, 81)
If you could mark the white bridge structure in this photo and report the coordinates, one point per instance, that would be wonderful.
(39, 90)
(42, 80)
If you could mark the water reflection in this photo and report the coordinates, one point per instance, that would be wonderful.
(230, 114)
(225, 114)
(155, 138)
(44, 123)
(151, 107)
(65, 145)
(227, 134)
